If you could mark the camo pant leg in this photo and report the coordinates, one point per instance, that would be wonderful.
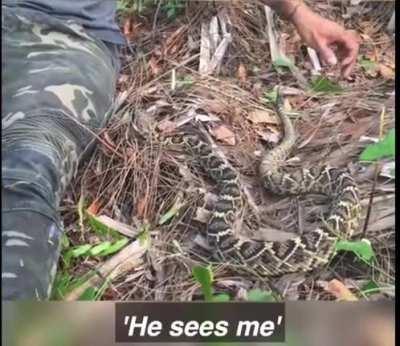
(58, 90)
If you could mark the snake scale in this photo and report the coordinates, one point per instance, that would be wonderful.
(270, 258)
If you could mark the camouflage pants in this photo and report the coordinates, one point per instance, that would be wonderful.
(58, 89)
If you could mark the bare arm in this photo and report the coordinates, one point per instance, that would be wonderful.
(321, 34)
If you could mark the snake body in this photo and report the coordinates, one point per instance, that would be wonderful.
(303, 252)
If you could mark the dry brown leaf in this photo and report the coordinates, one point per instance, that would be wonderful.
(131, 29)
(373, 73)
(272, 135)
(340, 291)
(141, 206)
(154, 66)
(262, 116)
(127, 27)
(296, 101)
(167, 126)
(257, 90)
(94, 207)
(223, 134)
(174, 41)
(214, 106)
(386, 72)
(358, 129)
(242, 73)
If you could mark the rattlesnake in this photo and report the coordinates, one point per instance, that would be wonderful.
(301, 253)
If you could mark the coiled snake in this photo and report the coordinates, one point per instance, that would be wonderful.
(301, 253)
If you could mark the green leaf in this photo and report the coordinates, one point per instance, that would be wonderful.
(103, 249)
(283, 61)
(80, 250)
(369, 288)
(220, 298)
(66, 260)
(90, 294)
(321, 84)
(62, 284)
(169, 214)
(185, 81)
(144, 234)
(65, 283)
(172, 8)
(362, 249)
(100, 228)
(204, 276)
(121, 5)
(271, 97)
(97, 249)
(97, 226)
(368, 65)
(118, 245)
(93, 293)
(257, 295)
(171, 13)
(65, 242)
(384, 148)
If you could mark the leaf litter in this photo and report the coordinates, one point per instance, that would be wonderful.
(211, 66)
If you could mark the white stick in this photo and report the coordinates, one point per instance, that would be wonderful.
(314, 60)
(204, 50)
(214, 35)
(219, 54)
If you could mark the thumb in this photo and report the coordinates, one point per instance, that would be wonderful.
(327, 54)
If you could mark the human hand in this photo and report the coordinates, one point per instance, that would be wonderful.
(322, 35)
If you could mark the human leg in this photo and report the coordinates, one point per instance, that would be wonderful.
(58, 89)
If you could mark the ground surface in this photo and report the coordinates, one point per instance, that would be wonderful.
(134, 185)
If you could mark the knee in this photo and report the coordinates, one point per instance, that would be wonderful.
(29, 177)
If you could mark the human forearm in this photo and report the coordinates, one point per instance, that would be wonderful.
(303, 18)
(320, 33)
